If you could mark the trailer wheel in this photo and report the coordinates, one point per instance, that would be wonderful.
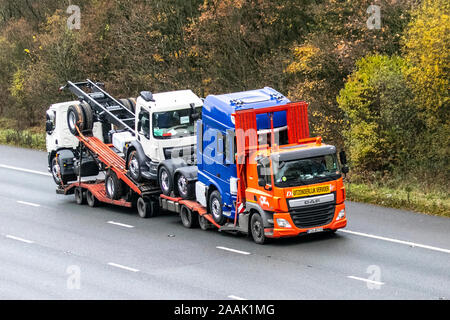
(257, 229)
(165, 181)
(203, 223)
(146, 208)
(183, 187)
(92, 201)
(188, 217)
(113, 185)
(80, 197)
(134, 169)
(216, 207)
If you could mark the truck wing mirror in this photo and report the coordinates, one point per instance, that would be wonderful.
(343, 157)
(48, 126)
(261, 182)
(345, 170)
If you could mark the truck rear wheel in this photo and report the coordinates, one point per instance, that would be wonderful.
(92, 201)
(146, 208)
(257, 229)
(216, 207)
(188, 217)
(165, 181)
(183, 187)
(113, 185)
(80, 197)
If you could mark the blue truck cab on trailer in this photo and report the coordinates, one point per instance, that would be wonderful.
(216, 145)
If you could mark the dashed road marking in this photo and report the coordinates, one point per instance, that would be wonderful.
(408, 243)
(28, 203)
(120, 224)
(366, 280)
(19, 239)
(234, 250)
(122, 267)
(236, 298)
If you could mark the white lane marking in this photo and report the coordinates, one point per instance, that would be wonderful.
(408, 243)
(122, 267)
(19, 239)
(366, 280)
(233, 250)
(25, 170)
(120, 224)
(236, 298)
(29, 203)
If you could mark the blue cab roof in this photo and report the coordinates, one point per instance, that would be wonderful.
(221, 107)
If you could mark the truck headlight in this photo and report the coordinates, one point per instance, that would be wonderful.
(341, 215)
(283, 223)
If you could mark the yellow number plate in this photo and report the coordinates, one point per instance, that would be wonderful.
(310, 191)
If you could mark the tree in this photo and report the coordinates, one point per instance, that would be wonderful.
(383, 128)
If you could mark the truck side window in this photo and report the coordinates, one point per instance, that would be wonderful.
(144, 123)
(263, 168)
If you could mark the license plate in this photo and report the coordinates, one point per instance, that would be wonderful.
(315, 230)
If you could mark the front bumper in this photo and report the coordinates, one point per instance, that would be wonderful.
(293, 231)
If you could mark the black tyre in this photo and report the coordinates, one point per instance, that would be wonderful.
(203, 223)
(113, 186)
(92, 201)
(188, 217)
(57, 176)
(134, 168)
(146, 208)
(88, 118)
(80, 197)
(165, 181)
(257, 229)
(216, 207)
(129, 103)
(75, 118)
(183, 187)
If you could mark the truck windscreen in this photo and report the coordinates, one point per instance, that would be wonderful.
(306, 171)
(174, 124)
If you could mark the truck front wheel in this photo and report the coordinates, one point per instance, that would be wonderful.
(113, 185)
(257, 229)
(134, 169)
(216, 206)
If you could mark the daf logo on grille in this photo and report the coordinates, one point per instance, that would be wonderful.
(312, 201)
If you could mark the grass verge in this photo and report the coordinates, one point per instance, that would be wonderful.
(33, 138)
(434, 202)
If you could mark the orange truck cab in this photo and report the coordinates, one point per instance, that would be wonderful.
(289, 188)
(300, 186)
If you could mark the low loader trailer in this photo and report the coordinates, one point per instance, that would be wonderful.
(255, 171)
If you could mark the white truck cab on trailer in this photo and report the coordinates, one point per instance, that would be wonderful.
(164, 130)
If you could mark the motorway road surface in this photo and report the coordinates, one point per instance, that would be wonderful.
(51, 248)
